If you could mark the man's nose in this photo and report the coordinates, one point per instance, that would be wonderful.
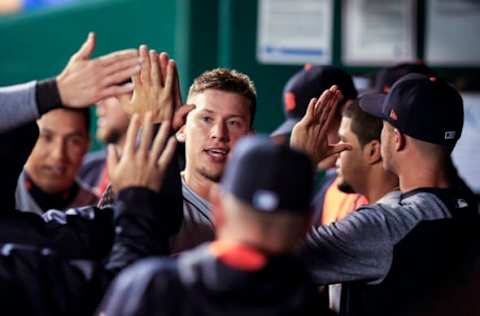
(220, 131)
(59, 150)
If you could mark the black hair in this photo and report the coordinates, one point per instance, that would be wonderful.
(365, 126)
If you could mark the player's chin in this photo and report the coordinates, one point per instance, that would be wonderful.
(213, 172)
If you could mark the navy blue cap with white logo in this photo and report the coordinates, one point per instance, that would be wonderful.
(425, 108)
(268, 176)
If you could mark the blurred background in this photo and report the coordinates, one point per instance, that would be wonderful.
(267, 39)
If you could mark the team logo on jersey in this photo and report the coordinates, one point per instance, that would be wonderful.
(450, 134)
(461, 203)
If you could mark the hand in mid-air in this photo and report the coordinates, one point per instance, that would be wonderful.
(85, 81)
(157, 90)
(143, 165)
(310, 133)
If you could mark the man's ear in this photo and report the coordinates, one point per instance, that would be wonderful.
(399, 139)
(180, 134)
(372, 152)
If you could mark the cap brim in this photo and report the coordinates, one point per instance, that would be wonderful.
(372, 103)
(285, 128)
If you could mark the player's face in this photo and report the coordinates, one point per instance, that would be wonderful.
(58, 153)
(387, 146)
(350, 163)
(218, 121)
(112, 122)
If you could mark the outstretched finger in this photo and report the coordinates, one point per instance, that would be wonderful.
(326, 120)
(322, 104)
(147, 134)
(120, 65)
(115, 90)
(310, 113)
(121, 76)
(155, 68)
(169, 80)
(339, 97)
(87, 48)
(163, 61)
(130, 140)
(160, 140)
(177, 92)
(337, 148)
(332, 103)
(145, 72)
(168, 153)
(112, 60)
(335, 95)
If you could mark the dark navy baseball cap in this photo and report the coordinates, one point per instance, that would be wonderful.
(308, 83)
(268, 176)
(425, 108)
(387, 77)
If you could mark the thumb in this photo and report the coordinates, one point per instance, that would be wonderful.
(180, 116)
(87, 48)
(112, 161)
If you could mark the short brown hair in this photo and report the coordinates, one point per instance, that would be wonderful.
(365, 126)
(227, 80)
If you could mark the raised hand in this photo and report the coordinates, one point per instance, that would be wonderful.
(310, 133)
(163, 60)
(181, 110)
(145, 165)
(153, 88)
(85, 81)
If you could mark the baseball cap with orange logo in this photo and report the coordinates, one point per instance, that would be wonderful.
(309, 83)
(425, 108)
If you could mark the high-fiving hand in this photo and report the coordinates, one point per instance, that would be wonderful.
(85, 81)
(145, 165)
(157, 90)
(153, 88)
(310, 133)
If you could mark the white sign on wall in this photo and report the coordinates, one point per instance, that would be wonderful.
(378, 32)
(452, 32)
(295, 32)
(467, 151)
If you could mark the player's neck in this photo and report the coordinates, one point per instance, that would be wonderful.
(198, 183)
(380, 182)
(424, 175)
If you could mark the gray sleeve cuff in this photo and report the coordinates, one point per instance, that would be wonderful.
(18, 105)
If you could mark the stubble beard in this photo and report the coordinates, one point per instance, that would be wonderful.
(210, 175)
(345, 187)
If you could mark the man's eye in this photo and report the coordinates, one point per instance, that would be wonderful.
(76, 141)
(206, 119)
(234, 123)
(46, 137)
